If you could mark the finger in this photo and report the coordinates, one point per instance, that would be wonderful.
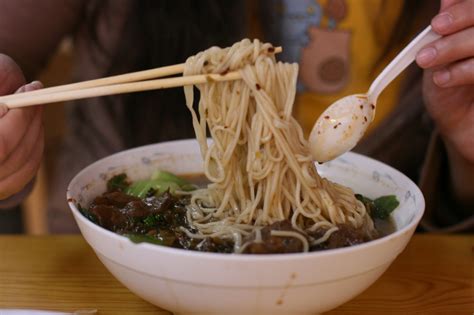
(21, 154)
(14, 123)
(459, 73)
(447, 49)
(35, 85)
(448, 3)
(3, 110)
(454, 18)
(11, 76)
(17, 181)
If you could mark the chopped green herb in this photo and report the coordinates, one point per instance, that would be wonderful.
(118, 183)
(150, 221)
(85, 212)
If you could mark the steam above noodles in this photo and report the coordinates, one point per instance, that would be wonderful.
(259, 165)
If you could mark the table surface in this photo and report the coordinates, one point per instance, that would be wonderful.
(434, 275)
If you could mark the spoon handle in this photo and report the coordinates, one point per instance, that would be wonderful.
(401, 61)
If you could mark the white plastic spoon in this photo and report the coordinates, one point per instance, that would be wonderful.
(343, 124)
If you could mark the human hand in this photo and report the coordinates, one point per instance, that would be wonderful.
(448, 90)
(448, 83)
(21, 133)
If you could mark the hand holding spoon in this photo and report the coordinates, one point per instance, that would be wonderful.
(342, 125)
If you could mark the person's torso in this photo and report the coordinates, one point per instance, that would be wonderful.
(339, 45)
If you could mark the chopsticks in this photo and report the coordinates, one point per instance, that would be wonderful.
(119, 84)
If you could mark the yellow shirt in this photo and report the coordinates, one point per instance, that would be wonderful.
(337, 44)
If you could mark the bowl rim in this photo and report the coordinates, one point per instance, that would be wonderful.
(247, 257)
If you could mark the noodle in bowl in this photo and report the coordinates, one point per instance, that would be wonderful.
(259, 163)
(189, 282)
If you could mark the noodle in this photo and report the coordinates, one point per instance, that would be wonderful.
(259, 164)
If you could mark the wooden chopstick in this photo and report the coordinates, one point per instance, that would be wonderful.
(122, 78)
(117, 89)
(119, 84)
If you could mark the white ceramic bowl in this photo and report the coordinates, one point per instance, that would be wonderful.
(188, 282)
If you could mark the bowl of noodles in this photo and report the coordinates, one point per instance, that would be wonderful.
(244, 222)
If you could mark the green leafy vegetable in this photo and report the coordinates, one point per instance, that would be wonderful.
(384, 206)
(380, 208)
(118, 183)
(153, 220)
(140, 189)
(165, 239)
(160, 182)
(137, 238)
(170, 177)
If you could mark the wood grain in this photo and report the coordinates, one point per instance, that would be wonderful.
(434, 275)
(61, 273)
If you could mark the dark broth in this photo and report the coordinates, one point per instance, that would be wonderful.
(159, 218)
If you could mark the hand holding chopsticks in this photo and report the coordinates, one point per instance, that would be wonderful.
(125, 83)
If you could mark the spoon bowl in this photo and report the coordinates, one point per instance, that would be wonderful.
(340, 127)
(343, 124)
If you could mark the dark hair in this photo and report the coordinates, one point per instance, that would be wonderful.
(159, 33)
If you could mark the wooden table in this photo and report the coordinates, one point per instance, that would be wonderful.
(434, 275)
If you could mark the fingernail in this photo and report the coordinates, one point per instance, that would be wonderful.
(442, 77)
(21, 89)
(442, 21)
(426, 56)
(35, 85)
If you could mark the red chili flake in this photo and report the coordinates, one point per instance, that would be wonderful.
(365, 118)
(361, 106)
(257, 86)
(326, 117)
(372, 105)
(225, 71)
(271, 49)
